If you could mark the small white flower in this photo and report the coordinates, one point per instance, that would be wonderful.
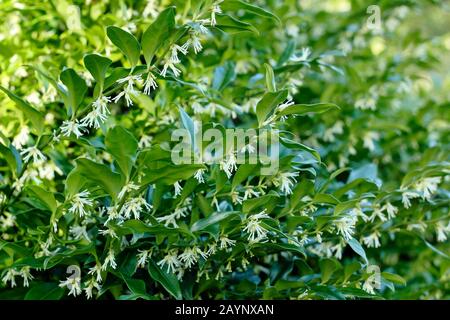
(21, 138)
(372, 240)
(390, 209)
(127, 188)
(33, 153)
(369, 139)
(442, 230)
(199, 175)
(253, 227)
(377, 213)
(134, 206)
(171, 261)
(304, 56)
(230, 165)
(286, 180)
(406, 196)
(174, 49)
(97, 271)
(346, 226)
(150, 83)
(178, 189)
(10, 277)
(26, 275)
(79, 232)
(427, 186)
(214, 10)
(226, 243)
(143, 257)
(189, 256)
(69, 127)
(168, 64)
(129, 89)
(89, 286)
(73, 284)
(79, 202)
(110, 260)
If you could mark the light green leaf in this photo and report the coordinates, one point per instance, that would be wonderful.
(75, 90)
(168, 280)
(126, 42)
(34, 116)
(122, 145)
(157, 33)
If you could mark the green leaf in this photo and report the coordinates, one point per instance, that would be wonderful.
(242, 173)
(97, 66)
(45, 196)
(122, 145)
(45, 291)
(213, 219)
(168, 281)
(302, 109)
(394, 278)
(297, 145)
(12, 157)
(327, 268)
(75, 90)
(34, 116)
(356, 246)
(223, 75)
(189, 125)
(101, 175)
(236, 5)
(268, 103)
(157, 32)
(126, 42)
(232, 25)
(270, 78)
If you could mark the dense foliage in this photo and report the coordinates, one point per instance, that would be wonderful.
(92, 205)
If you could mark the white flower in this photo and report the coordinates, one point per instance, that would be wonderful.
(134, 206)
(143, 257)
(110, 260)
(250, 192)
(33, 153)
(129, 89)
(178, 189)
(214, 10)
(427, 186)
(199, 175)
(47, 171)
(10, 277)
(171, 219)
(7, 221)
(368, 286)
(73, 284)
(390, 209)
(372, 240)
(79, 232)
(26, 275)
(286, 180)
(442, 230)
(150, 83)
(21, 138)
(226, 243)
(113, 213)
(369, 139)
(174, 49)
(127, 188)
(168, 64)
(406, 196)
(229, 165)
(253, 227)
(346, 226)
(193, 41)
(89, 286)
(69, 127)
(377, 212)
(79, 202)
(171, 261)
(97, 271)
(305, 54)
(190, 256)
(98, 114)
